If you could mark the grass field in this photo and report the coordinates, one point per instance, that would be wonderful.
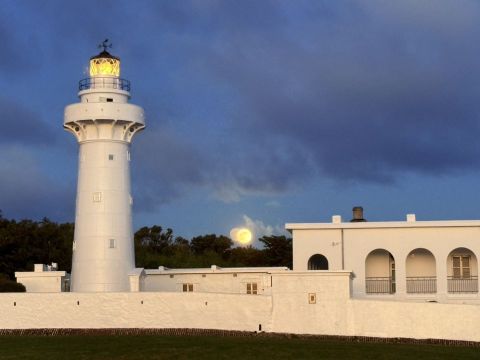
(211, 347)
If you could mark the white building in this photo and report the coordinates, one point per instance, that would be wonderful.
(254, 281)
(398, 260)
(44, 279)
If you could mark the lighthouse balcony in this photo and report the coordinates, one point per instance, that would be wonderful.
(104, 83)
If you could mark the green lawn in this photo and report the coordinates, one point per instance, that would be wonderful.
(211, 347)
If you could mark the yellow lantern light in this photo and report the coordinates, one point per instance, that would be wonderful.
(104, 65)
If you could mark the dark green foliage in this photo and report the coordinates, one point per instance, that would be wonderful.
(7, 285)
(278, 250)
(26, 242)
(211, 243)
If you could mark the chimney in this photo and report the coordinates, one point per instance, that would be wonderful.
(358, 214)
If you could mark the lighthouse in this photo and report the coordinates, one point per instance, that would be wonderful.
(104, 124)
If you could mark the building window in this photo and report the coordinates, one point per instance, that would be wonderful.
(97, 197)
(252, 288)
(111, 244)
(110, 157)
(461, 267)
(187, 287)
(312, 298)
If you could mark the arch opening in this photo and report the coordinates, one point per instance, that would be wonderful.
(380, 276)
(421, 272)
(318, 262)
(462, 271)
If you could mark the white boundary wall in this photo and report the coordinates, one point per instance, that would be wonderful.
(288, 309)
(125, 310)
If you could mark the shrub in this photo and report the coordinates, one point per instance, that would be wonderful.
(7, 285)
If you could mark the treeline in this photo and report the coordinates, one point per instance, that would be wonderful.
(27, 242)
(155, 246)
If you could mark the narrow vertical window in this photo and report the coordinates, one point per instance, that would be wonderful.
(110, 157)
(111, 244)
(97, 196)
(457, 269)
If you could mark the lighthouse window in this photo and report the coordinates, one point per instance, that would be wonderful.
(109, 100)
(110, 157)
(97, 197)
(112, 244)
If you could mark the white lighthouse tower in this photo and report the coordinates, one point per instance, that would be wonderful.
(104, 124)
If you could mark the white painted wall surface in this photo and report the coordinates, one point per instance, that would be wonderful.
(292, 311)
(208, 283)
(414, 320)
(310, 242)
(125, 310)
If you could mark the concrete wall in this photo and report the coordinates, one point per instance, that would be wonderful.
(294, 312)
(126, 310)
(289, 309)
(414, 320)
(310, 242)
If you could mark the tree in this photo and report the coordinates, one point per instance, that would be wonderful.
(246, 256)
(211, 242)
(277, 250)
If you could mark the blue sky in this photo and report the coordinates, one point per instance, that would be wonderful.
(258, 112)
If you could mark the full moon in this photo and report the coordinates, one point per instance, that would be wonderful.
(241, 235)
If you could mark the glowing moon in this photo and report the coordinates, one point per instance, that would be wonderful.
(241, 235)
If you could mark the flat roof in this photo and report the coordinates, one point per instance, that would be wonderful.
(383, 224)
(24, 274)
(216, 270)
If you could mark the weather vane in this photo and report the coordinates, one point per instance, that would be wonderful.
(105, 45)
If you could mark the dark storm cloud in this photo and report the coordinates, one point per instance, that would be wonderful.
(358, 92)
(21, 125)
(27, 191)
(369, 93)
(164, 164)
(258, 97)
